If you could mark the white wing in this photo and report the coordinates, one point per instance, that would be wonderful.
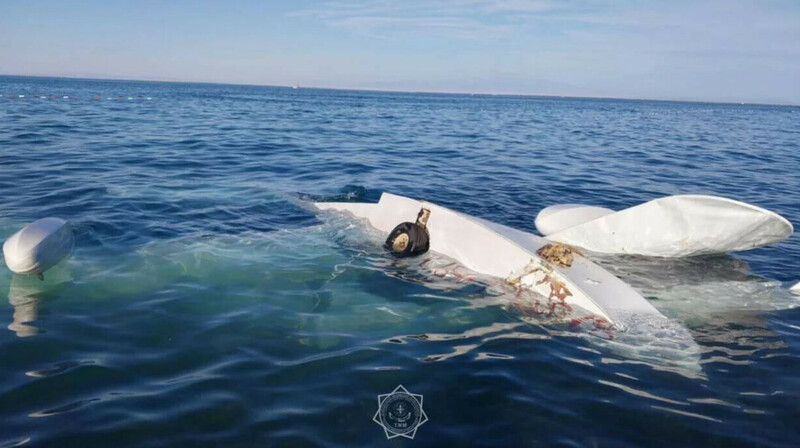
(679, 226)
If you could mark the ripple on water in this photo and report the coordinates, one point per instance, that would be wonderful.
(206, 305)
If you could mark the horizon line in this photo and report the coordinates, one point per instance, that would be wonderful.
(401, 91)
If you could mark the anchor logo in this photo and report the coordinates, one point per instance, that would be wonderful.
(400, 413)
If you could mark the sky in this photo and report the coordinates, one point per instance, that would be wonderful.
(725, 50)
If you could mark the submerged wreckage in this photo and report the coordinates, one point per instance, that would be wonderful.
(564, 281)
(554, 266)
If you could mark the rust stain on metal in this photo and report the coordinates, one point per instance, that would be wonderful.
(558, 254)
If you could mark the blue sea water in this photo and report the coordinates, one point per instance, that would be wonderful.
(205, 305)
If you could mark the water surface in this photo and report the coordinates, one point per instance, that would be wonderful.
(205, 306)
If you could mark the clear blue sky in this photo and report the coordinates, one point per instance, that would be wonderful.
(724, 50)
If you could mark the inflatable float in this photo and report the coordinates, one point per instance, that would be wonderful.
(673, 226)
(38, 246)
(555, 271)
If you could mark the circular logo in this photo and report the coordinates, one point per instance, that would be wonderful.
(400, 413)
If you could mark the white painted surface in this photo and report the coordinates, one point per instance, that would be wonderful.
(556, 218)
(679, 226)
(610, 293)
(38, 246)
(501, 251)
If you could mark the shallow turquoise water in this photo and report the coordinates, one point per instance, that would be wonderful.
(205, 305)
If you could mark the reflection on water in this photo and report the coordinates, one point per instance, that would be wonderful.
(27, 292)
(695, 289)
(24, 313)
(724, 304)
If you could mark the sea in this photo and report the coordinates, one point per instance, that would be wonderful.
(206, 304)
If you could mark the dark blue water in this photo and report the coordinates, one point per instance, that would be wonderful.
(205, 306)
